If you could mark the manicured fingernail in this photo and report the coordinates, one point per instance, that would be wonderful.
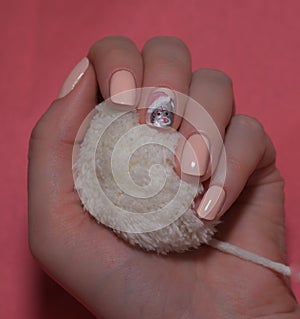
(74, 77)
(211, 203)
(161, 109)
(123, 81)
(195, 156)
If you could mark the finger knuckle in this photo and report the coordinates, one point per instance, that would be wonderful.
(168, 51)
(166, 40)
(235, 163)
(249, 122)
(37, 241)
(38, 127)
(34, 246)
(116, 43)
(41, 127)
(213, 75)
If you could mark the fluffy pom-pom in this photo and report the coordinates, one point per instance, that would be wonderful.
(124, 175)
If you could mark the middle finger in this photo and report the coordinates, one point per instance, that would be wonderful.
(167, 64)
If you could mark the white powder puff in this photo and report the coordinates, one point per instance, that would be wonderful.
(121, 163)
(124, 176)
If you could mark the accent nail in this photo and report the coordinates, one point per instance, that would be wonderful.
(73, 78)
(195, 156)
(211, 203)
(161, 109)
(123, 81)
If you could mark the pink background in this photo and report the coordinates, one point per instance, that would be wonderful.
(256, 42)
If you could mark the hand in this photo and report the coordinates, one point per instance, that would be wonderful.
(114, 280)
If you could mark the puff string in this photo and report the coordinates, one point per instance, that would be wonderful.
(247, 255)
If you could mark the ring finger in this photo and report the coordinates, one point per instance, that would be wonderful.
(203, 127)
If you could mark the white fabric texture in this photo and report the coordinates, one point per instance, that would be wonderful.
(119, 177)
(103, 197)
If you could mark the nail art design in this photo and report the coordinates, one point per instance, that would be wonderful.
(161, 112)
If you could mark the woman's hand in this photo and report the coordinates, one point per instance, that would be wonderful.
(114, 280)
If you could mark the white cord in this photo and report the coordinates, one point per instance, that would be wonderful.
(247, 255)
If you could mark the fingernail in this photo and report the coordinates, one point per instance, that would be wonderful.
(161, 109)
(73, 78)
(123, 81)
(211, 203)
(195, 156)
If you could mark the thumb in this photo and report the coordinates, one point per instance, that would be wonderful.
(52, 139)
(50, 179)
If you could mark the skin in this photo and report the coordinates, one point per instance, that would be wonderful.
(114, 280)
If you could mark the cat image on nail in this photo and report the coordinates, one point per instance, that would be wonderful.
(161, 112)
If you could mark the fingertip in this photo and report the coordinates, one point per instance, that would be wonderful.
(76, 99)
(123, 88)
(195, 156)
(212, 203)
(119, 68)
(74, 77)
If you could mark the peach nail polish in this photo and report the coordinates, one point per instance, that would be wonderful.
(73, 78)
(195, 156)
(211, 203)
(122, 81)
